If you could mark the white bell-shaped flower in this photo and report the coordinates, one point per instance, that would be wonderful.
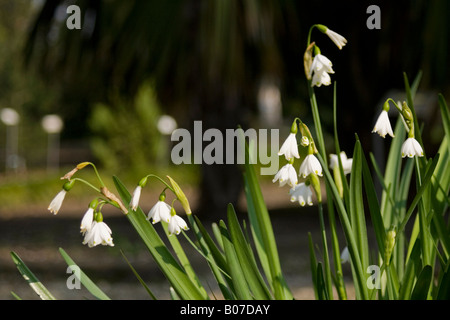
(411, 147)
(310, 165)
(287, 175)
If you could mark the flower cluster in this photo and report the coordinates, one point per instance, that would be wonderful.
(411, 147)
(310, 166)
(319, 68)
(161, 211)
(92, 227)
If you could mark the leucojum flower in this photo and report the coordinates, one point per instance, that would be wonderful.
(56, 203)
(176, 223)
(318, 70)
(99, 233)
(301, 193)
(160, 211)
(383, 125)
(309, 168)
(411, 147)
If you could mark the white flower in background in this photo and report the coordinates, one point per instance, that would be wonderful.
(57, 201)
(100, 233)
(160, 211)
(383, 125)
(176, 224)
(345, 255)
(310, 165)
(287, 175)
(290, 147)
(86, 222)
(411, 147)
(134, 203)
(346, 163)
(301, 193)
(338, 40)
(321, 67)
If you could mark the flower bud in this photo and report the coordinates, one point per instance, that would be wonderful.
(315, 183)
(389, 245)
(180, 196)
(68, 185)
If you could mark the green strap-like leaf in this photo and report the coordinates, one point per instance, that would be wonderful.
(32, 280)
(174, 273)
(422, 286)
(83, 278)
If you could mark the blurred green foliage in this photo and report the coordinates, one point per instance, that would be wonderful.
(126, 136)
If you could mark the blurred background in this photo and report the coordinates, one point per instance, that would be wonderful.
(113, 91)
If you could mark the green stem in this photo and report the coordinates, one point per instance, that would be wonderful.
(317, 124)
(328, 280)
(87, 183)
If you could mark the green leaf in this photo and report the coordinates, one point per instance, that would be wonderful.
(32, 280)
(444, 284)
(422, 286)
(216, 260)
(238, 277)
(357, 215)
(412, 264)
(321, 286)
(374, 207)
(260, 220)
(139, 277)
(81, 276)
(171, 269)
(313, 264)
(246, 258)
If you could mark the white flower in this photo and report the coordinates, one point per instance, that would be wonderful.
(160, 211)
(321, 67)
(411, 147)
(290, 147)
(100, 233)
(301, 193)
(338, 40)
(287, 175)
(176, 224)
(310, 165)
(321, 63)
(383, 125)
(57, 201)
(345, 255)
(134, 203)
(346, 163)
(86, 222)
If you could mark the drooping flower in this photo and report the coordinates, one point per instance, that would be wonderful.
(338, 40)
(100, 233)
(411, 147)
(345, 255)
(57, 201)
(321, 67)
(159, 212)
(383, 125)
(301, 193)
(290, 147)
(287, 175)
(87, 221)
(134, 203)
(310, 165)
(176, 223)
(346, 163)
